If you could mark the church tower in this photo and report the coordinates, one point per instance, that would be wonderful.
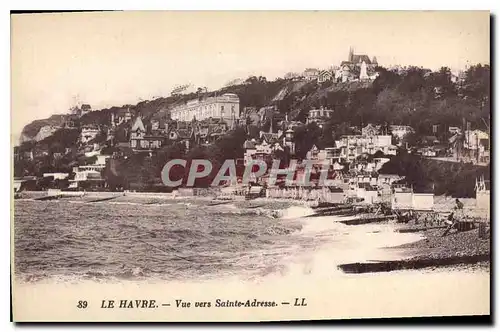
(351, 54)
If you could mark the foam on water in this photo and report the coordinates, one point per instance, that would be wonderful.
(184, 241)
(345, 244)
(224, 256)
(295, 212)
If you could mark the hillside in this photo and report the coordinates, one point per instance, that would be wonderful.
(287, 95)
(428, 101)
(414, 96)
(30, 130)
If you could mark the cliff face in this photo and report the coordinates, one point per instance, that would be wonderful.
(30, 131)
(45, 132)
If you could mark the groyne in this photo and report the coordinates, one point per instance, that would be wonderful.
(412, 264)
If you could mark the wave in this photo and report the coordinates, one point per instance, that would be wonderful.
(295, 212)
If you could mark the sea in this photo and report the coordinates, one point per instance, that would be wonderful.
(149, 239)
(77, 249)
(138, 239)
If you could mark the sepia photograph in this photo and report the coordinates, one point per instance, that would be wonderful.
(250, 166)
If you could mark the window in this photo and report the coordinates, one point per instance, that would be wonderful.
(232, 109)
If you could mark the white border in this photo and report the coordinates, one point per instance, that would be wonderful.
(176, 5)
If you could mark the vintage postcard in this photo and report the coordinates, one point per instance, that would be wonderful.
(203, 166)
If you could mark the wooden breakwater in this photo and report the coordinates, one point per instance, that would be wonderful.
(366, 220)
(103, 199)
(93, 196)
(48, 197)
(215, 203)
(411, 264)
(418, 229)
(332, 210)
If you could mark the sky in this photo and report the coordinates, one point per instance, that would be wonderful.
(114, 58)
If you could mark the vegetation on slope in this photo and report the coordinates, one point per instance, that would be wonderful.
(414, 96)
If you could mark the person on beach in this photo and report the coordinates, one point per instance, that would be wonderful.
(459, 208)
(458, 205)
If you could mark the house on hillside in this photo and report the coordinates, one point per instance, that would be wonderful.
(124, 115)
(353, 146)
(319, 116)
(87, 177)
(267, 144)
(325, 75)
(400, 131)
(159, 125)
(88, 133)
(79, 111)
(476, 146)
(142, 140)
(289, 124)
(356, 67)
(311, 74)
(358, 59)
(86, 108)
(184, 136)
(225, 107)
(208, 131)
(262, 150)
(371, 130)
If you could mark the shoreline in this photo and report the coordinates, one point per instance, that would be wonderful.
(310, 274)
(457, 250)
(433, 251)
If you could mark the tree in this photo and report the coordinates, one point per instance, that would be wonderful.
(231, 145)
(44, 183)
(385, 79)
(342, 130)
(327, 138)
(305, 137)
(121, 134)
(410, 139)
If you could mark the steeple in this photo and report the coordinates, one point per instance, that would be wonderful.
(351, 54)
